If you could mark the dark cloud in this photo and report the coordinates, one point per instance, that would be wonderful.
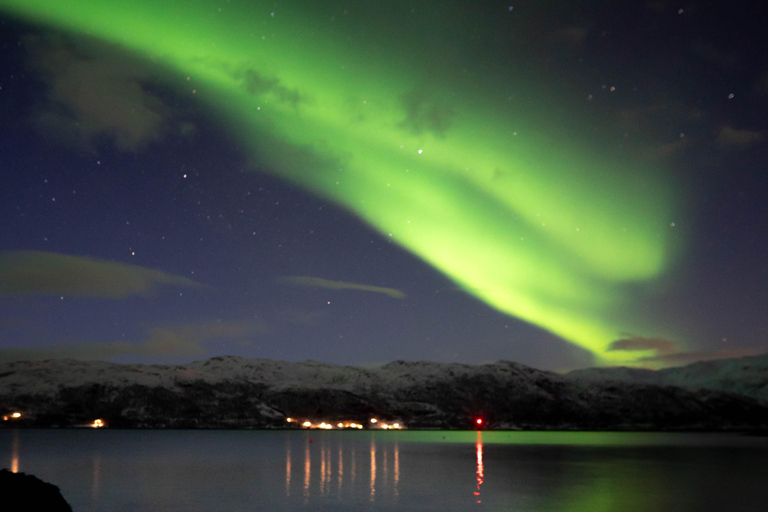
(572, 36)
(260, 85)
(660, 345)
(738, 139)
(96, 93)
(648, 126)
(648, 119)
(715, 56)
(425, 112)
(760, 87)
(186, 340)
(48, 273)
(658, 6)
(340, 285)
(662, 151)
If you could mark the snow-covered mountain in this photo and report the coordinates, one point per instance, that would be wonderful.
(746, 376)
(233, 392)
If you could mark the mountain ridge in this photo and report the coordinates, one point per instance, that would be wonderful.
(746, 376)
(234, 392)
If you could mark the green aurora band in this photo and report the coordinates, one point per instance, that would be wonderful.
(542, 231)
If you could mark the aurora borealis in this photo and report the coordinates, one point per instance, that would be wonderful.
(507, 190)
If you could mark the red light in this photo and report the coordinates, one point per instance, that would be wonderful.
(479, 421)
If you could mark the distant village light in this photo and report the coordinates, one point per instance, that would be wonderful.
(16, 415)
(373, 420)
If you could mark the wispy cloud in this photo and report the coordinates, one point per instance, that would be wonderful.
(679, 358)
(49, 273)
(658, 6)
(573, 36)
(185, 340)
(733, 138)
(426, 112)
(318, 282)
(637, 344)
(668, 353)
(662, 151)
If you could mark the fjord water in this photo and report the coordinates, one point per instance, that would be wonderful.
(211, 471)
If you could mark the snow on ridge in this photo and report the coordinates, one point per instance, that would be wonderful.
(622, 373)
(406, 373)
(747, 375)
(46, 377)
(283, 374)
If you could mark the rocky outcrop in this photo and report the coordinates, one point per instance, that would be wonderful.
(20, 491)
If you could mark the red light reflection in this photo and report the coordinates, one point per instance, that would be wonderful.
(479, 471)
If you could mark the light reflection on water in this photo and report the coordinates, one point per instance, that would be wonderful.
(373, 470)
(15, 451)
(322, 468)
(479, 472)
(96, 480)
(207, 471)
(287, 468)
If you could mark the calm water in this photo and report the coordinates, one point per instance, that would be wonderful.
(147, 471)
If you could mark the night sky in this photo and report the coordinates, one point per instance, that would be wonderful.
(561, 184)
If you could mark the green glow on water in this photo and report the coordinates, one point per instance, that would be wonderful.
(540, 229)
(557, 438)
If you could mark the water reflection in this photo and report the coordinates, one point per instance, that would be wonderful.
(307, 471)
(397, 470)
(479, 472)
(373, 469)
(385, 480)
(15, 451)
(325, 470)
(287, 468)
(201, 471)
(96, 480)
(331, 467)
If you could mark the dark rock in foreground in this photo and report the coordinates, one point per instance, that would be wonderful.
(20, 491)
(232, 392)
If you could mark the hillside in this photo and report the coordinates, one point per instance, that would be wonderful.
(232, 392)
(746, 376)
